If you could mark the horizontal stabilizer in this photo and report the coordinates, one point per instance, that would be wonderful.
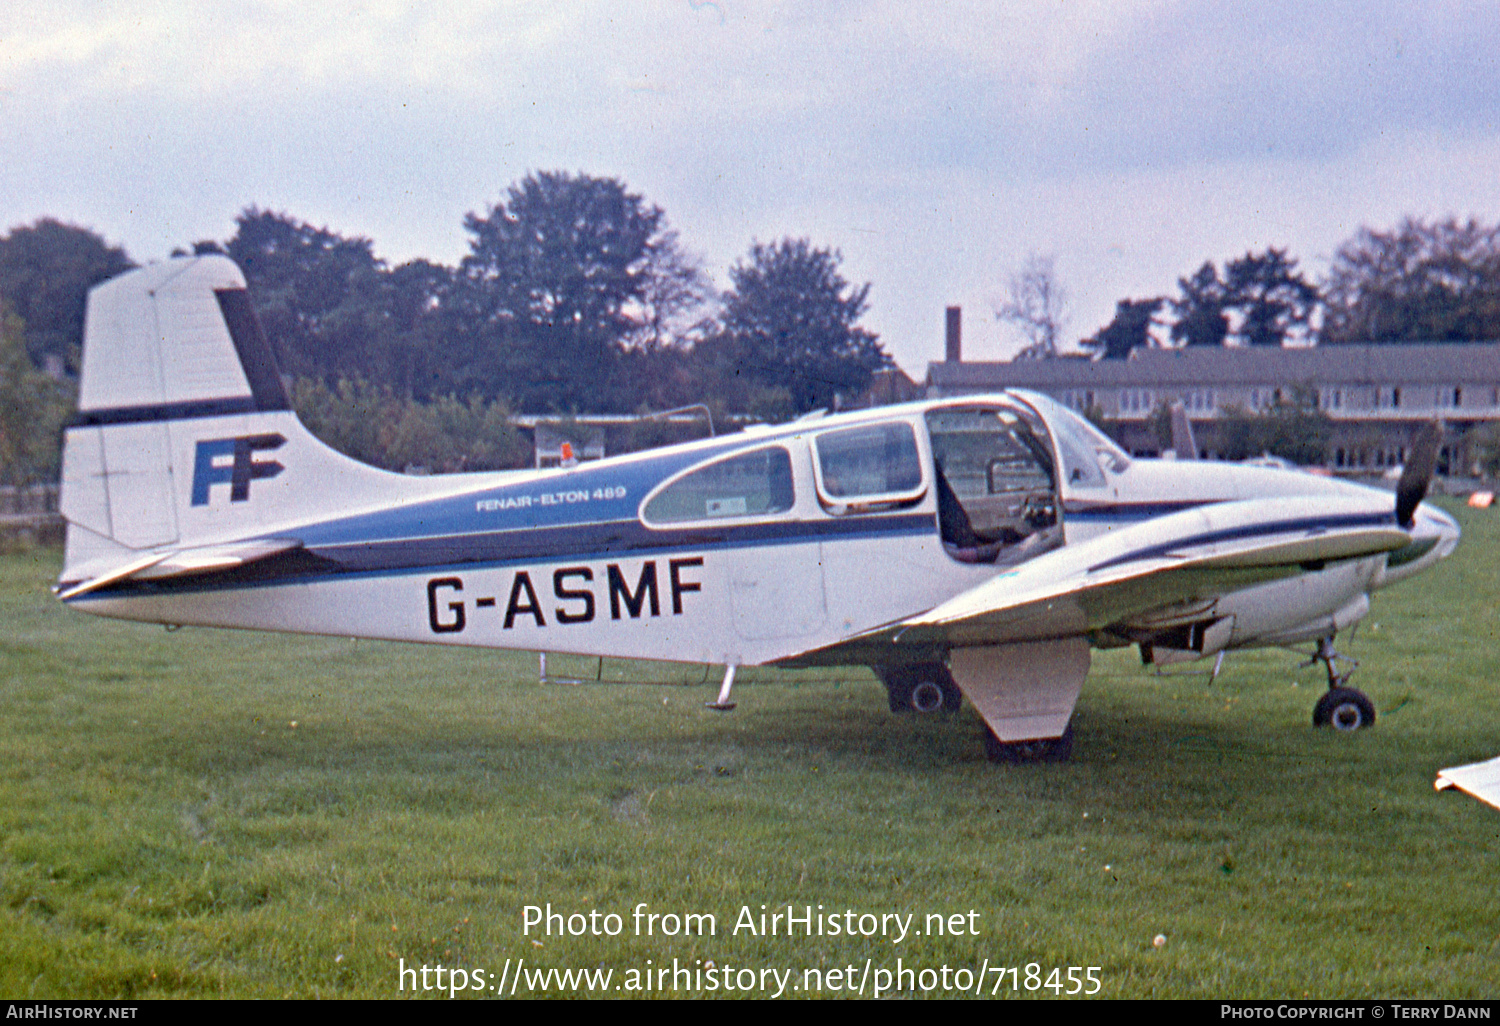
(1479, 779)
(181, 562)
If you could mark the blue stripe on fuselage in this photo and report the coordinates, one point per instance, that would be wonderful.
(589, 540)
(1130, 512)
(605, 493)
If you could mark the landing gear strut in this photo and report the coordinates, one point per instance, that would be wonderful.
(1343, 708)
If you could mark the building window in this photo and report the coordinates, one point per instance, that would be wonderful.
(1450, 398)
(1135, 400)
(1199, 401)
(1331, 399)
(1080, 400)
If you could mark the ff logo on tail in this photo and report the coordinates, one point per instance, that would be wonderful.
(239, 472)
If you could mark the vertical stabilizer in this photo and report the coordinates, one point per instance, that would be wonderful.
(1183, 442)
(184, 434)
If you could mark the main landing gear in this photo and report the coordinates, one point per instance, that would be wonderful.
(1048, 749)
(1343, 708)
(923, 688)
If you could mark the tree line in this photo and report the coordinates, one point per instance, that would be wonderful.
(576, 296)
(1421, 281)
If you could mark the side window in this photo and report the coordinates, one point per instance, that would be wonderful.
(864, 467)
(747, 485)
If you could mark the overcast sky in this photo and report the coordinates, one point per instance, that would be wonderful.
(936, 145)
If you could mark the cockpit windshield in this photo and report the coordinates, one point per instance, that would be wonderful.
(1085, 450)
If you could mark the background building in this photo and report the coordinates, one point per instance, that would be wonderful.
(1373, 396)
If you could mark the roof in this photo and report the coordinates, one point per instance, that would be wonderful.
(1404, 363)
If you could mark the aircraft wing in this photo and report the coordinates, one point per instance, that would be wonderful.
(1128, 575)
(180, 562)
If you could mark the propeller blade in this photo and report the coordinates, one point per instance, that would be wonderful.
(1421, 463)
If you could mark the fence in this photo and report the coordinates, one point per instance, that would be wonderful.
(29, 514)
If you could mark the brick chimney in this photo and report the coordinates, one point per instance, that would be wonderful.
(955, 334)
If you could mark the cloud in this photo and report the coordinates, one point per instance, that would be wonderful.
(936, 146)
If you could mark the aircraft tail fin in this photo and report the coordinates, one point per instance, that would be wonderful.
(185, 436)
(1183, 442)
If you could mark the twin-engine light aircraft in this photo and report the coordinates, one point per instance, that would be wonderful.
(977, 547)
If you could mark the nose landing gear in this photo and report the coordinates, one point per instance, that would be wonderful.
(1341, 707)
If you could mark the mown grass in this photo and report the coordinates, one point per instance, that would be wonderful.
(206, 813)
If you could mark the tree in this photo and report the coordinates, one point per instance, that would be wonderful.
(417, 301)
(1130, 329)
(1201, 320)
(672, 309)
(554, 274)
(374, 425)
(1419, 282)
(791, 323)
(1486, 449)
(46, 271)
(1293, 427)
(318, 293)
(33, 408)
(1275, 302)
(1034, 305)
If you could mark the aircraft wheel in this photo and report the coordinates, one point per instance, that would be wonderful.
(1046, 749)
(926, 696)
(923, 689)
(1345, 710)
(935, 690)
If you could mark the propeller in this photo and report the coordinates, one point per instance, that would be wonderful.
(1417, 474)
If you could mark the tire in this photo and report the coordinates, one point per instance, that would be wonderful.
(1346, 710)
(927, 688)
(1047, 749)
(927, 696)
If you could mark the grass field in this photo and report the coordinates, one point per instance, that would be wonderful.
(205, 813)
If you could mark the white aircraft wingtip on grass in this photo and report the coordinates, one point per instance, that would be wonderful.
(980, 546)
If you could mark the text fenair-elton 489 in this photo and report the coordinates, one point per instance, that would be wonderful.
(977, 547)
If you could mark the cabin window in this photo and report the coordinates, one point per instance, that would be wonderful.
(750, 484)
(868, 466)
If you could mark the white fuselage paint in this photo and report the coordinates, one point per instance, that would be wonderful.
(746, 605)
